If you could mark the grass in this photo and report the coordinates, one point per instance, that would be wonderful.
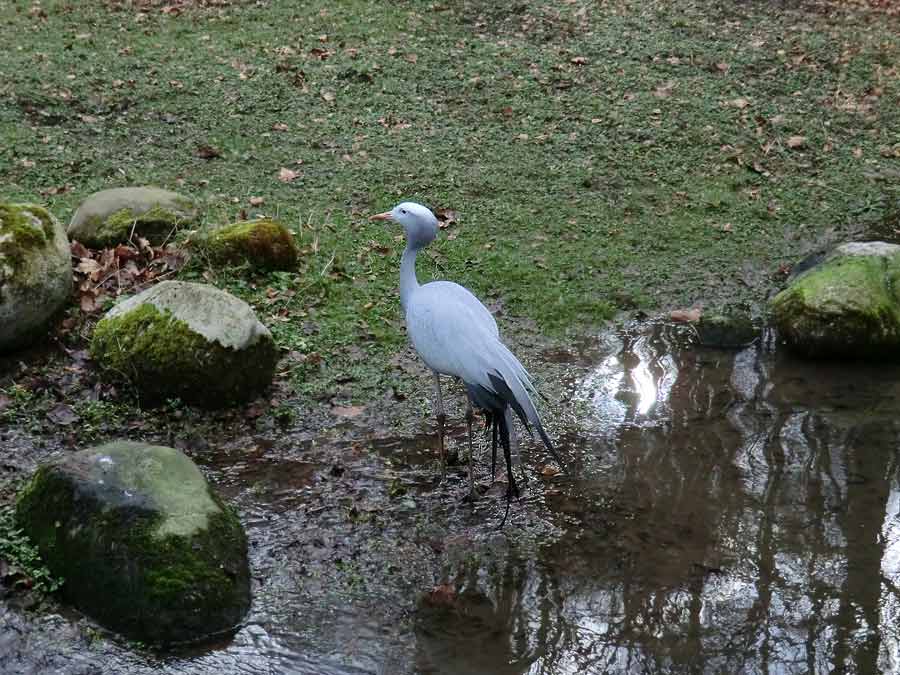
(23, 562)
(601, 155)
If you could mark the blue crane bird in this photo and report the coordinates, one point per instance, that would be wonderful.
(456, 335)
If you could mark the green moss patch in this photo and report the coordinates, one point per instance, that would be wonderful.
(163, 358)
(105, 529)
(848, 306)
(23, 228)
(155, 225)
(264, 243)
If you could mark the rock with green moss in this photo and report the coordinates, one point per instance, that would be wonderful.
(110, 217)
(263, 243)
(846, 306)
(142, 542)
(189, 341)
(727, 328)
(35, 273)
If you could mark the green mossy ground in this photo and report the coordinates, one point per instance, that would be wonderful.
(607, 156)
(164, 359)
(122, 567)
(265, 244)
(847, 307)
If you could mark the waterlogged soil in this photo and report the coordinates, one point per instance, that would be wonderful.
(725, 511)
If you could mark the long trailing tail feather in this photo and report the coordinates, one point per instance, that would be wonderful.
(513, 384)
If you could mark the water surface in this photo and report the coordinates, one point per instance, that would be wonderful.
(728, 512)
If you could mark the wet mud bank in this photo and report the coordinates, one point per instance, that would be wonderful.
(726, 511)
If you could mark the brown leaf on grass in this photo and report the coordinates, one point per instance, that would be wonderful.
(691, 315)
(5, 402)
(257, 201)
(796, 141)
(549, 471)
(286, 175)
(579, 60)
(113, 271)
(739, 103)
(664, 90)
(205, 151)
(446, 217)
(89, 267)
(327, 96)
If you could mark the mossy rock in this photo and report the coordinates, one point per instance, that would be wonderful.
(189, 341)
(35, 273)
(727, 328)
(110, 217)
(143, 544)
(847, 306)
(264, 244)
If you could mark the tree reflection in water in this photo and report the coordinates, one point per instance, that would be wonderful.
(744, 518)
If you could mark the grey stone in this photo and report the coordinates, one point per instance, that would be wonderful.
(143, 543)
(186, 340)
(35, 273)
(110, 217)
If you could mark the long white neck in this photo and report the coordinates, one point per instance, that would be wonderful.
(408, 282)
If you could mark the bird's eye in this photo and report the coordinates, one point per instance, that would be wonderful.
(403, 211)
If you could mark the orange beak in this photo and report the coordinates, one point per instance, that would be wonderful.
(382, 216)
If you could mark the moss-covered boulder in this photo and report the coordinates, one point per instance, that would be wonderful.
(110, 217)
(846, 306)
(186, 340)
(727, 328)
(143, 544)
(35, 273)
(263, 243)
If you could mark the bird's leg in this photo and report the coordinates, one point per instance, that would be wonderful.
(470, 417)
(512, 489)
(514, 444)
(441, 420)
(494, 439)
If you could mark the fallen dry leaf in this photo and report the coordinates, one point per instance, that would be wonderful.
(207, 152)
(739, 103)
(286, 175)
(796, 141)
(257, 201)
(348, 411)
(88, 267)
(327, 96)
(691, 315)
(664, 90)
(446, 217)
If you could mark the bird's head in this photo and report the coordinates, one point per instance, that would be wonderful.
(418, 221)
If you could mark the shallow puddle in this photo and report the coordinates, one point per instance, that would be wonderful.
(727, 512)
